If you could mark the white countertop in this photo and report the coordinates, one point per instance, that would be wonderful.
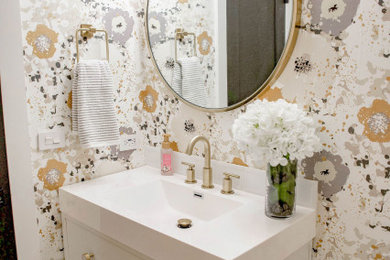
(243, 233)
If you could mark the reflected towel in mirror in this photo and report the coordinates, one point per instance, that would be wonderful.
(177, 81)
(189, 82)
(93, 112)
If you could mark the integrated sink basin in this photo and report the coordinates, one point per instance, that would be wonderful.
(164, 201)
(140, 209)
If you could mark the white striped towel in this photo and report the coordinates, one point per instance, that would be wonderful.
(193, 81)
(93, 112)
(177, 81)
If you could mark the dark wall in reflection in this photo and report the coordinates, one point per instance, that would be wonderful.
(256, 39)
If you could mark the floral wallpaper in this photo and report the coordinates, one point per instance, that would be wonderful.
(339, 72)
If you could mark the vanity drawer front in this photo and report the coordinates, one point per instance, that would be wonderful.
(80, 240)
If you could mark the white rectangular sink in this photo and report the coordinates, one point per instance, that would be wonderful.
(140, 208)
(162, 201)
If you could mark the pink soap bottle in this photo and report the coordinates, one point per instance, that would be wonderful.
(166, 157)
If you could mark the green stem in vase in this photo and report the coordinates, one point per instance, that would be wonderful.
(281, 194)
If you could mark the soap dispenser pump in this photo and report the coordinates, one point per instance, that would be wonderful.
(166, 157)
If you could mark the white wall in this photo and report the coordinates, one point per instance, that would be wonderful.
(221, 95)
(16, 130)
(289, 12)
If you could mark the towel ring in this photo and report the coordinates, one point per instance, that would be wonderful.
(87, 31)
(179, 35)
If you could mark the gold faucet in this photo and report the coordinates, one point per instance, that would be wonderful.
(207, 171)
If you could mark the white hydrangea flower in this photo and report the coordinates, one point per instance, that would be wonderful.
(271, 131)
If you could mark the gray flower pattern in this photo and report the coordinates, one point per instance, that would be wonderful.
(119, 25)
(333, 16)
(157, 28)
(329, 170)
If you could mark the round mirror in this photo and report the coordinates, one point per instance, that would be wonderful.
(217, 55)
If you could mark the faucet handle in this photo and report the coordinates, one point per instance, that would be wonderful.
(191, 166)
(229, 175)
(190, 173)
(227, 187)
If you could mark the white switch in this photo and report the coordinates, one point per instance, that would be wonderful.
(51, 139)
(48, 140)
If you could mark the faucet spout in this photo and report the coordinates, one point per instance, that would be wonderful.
(194, 141)
(207, 171)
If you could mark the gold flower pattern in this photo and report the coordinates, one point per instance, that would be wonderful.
(174, 146)
(53, 174)
(271, 94)
(69, 102)
(205, 42)
(376, 121)
(43, 41)
(149, 98)
(239, 161)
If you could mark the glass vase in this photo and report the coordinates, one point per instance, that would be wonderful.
(280, 190)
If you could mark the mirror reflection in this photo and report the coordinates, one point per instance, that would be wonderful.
(217, 53)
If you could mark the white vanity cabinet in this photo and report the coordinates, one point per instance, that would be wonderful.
(80, 242)
(83, 243)
(133, 215)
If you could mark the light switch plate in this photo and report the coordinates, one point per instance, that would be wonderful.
(51, 139)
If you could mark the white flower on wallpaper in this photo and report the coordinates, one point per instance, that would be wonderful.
(53, 176)
(332, 9)
(119, 24)
(325, 171)
(379, 123)
(42, 43)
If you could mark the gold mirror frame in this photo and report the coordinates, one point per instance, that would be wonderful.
(282, 63)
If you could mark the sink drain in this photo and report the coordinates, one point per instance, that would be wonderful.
(184, 223)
